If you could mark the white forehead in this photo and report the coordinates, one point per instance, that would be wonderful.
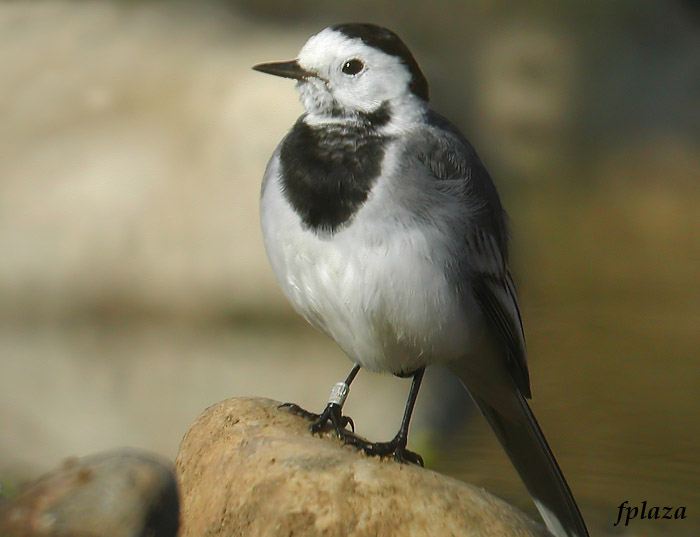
(329, 48)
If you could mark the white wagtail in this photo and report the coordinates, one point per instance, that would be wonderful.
(387, 234)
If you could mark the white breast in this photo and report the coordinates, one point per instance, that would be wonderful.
(377, 287)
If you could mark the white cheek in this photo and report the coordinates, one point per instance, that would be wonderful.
(369, 91)
(358, 97)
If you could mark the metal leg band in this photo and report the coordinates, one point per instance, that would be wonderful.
(338, 394)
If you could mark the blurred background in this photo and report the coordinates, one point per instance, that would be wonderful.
(134, 289)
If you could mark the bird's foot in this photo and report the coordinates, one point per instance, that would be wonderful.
(332, 413)
(295, 409)
(395, 447)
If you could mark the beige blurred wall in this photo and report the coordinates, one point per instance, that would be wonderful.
(133, 141)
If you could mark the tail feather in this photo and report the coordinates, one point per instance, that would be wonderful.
(529, 452)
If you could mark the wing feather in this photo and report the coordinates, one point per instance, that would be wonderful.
(449, 157)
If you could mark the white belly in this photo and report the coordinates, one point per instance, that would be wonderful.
(377, 288)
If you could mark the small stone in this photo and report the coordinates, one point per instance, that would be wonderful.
(124, 493)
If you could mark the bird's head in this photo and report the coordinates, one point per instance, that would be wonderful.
(355, 71)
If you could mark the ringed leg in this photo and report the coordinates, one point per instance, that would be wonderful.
(333, 411)
(396, 446)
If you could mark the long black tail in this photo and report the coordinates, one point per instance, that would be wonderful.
(529, 452)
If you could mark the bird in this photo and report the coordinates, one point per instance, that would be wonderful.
(387, 234)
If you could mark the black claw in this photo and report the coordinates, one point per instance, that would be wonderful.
(397, 448)
(347, 420)
(409, 456)
(332, 413)
(318, 425)
(351, 439)
(297, 410)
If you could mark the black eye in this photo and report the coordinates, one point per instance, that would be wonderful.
(352, 67)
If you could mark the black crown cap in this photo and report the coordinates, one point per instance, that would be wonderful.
(388, 42)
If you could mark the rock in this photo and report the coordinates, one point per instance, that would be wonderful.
(123, 493)
(247, 468)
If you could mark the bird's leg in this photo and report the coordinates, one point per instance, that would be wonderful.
(397, 446)
(333, 411)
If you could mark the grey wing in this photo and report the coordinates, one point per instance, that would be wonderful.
(498, 300)
(450, 158)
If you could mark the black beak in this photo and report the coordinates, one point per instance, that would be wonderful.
(290, 69)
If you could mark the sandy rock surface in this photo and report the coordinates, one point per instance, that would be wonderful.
(247, 468)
